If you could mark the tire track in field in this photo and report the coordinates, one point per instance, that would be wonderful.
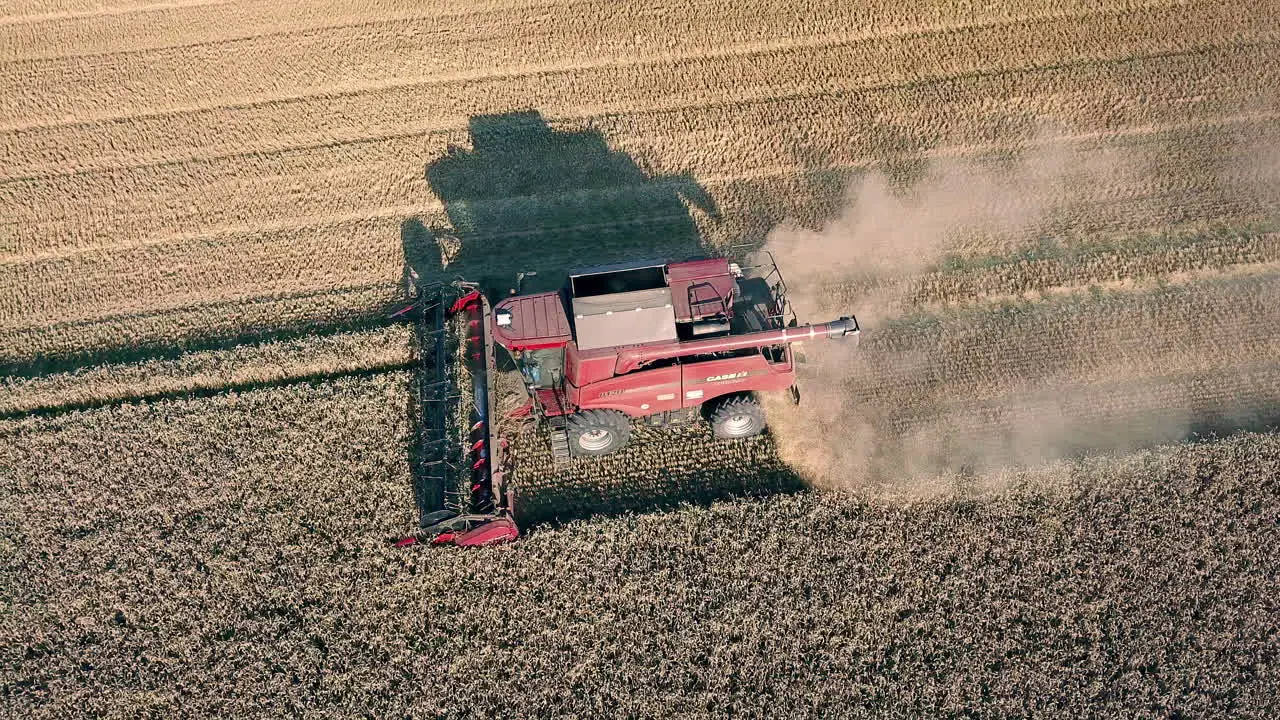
(148, 37)
(97, 12)
(381, 172)
(207, 324)
(346, 121)
(71, 40)
(434, 208)
(1047, 38)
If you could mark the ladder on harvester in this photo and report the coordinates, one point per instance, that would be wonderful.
(560, 445)
(557, 428)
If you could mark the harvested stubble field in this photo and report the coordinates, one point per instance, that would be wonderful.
(1057, 221)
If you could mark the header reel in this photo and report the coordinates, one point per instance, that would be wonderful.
(459, 468)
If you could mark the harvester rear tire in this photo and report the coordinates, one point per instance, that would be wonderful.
(737, 417)
(598, 432)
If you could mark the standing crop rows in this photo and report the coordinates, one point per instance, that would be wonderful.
(243, 367)
(236, 550)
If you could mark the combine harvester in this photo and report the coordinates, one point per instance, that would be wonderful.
(664, 343)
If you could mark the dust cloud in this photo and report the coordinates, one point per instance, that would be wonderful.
(960, 412)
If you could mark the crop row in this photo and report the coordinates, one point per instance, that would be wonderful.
(194, 325)
(1056, 267)
(241, 367)
(136, 279)
(220, 230)
(1216, 318)
(164, 208)
(393, 52)
(146, 278)
(112, 317)
(883, 91)
(483, 34)
(655, 469)
(231, 551)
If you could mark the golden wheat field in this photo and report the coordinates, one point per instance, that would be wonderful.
(1047, 476)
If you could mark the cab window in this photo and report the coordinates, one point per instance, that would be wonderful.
(541, 368)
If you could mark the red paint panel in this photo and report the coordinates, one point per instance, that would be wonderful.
(550, 402)
(590, 366)
(700, 288)
(494, 532)
(698, 268)
(536, 321)
(715, 378)
(637, 394)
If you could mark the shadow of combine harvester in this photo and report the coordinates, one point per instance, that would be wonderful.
(530, 201)
(527, 197)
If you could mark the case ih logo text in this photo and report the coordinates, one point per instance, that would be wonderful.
(730, 376)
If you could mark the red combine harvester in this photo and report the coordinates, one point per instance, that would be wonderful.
(660, 343)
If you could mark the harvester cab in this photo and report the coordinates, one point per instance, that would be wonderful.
(662, 343)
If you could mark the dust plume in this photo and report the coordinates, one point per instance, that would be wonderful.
(943, 394)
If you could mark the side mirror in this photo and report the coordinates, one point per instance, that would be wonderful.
(410, 279)
(520, 280)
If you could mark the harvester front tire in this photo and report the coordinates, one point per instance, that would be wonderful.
(737, 417)
(598, 432)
